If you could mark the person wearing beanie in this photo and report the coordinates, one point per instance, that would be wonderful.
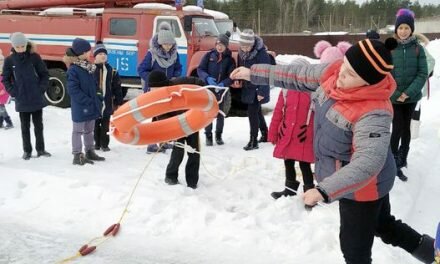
(161, 56)
(354, 163)
(410, 72)
(85, 101)
(26, 78)
(214, 69)
(158, 79)
(109, 87)
(372, 34)
(4, 99)
(253, 51)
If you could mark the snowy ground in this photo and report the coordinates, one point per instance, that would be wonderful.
(49, 208)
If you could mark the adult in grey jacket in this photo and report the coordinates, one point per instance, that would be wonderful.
(354, 162)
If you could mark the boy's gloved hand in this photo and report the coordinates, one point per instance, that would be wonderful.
(211, 81)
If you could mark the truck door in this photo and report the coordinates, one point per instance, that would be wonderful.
(121, 41)
(181, 41)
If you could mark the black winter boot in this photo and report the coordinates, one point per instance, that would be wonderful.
(425, 251)
(209, 140)
(91, 155)
(26, 155)
(402, 155)
(80, 159)
(252, 144)
(290, 190)
(263, 137)
(8, 122)
(401, 176)
(1, 121)
(218, 139)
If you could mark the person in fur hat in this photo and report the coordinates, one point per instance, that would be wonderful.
(410, 72)
(354, 163)
(4, 99)
(26, 78)
(327, 53)
(162, 56)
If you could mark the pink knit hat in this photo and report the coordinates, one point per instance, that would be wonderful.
(328, 53)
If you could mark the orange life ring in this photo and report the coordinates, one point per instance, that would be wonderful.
(127, 123)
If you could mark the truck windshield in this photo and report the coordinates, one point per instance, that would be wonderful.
(205, 26)
(224, 25)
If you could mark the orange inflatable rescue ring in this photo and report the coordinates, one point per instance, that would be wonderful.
(127, 123)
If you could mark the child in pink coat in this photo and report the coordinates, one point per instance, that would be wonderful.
(4, 99)
(291, 131)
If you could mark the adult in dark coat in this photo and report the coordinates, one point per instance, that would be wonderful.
(214, 69)
(252, 51)
(26, 78)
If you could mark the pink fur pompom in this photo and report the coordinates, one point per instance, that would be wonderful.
(406, 12)
(343, 46)
(320, 46)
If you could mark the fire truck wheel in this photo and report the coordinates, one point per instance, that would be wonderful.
(56, 93)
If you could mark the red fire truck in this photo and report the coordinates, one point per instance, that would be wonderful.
(124, 26)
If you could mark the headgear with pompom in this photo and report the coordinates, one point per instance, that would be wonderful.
(328, 53)
(404, 16)
(371, 59)
(165, 35)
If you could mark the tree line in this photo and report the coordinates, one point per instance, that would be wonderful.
(291, 16)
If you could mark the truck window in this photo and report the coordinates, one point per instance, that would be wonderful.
(123, 26)
(224, 25)
(205, 26)
(174, 26)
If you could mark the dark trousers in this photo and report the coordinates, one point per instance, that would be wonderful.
(306, 171)
(218, 125)
(361, 221)
(192, 165)
(37, 120)
(256, 118)
(401, 132)
(101, 130)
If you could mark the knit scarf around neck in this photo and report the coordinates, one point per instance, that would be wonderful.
(89, 67)
(163, 58)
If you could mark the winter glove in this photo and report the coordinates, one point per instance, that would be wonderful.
(211, 81)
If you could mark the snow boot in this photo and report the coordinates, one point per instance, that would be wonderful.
(209, 140)
(105, 149)
(425, 251)
(252, 144)
(80, 159)
(1, 121)
(166, 146)
(218, 139)
(263, 137)
(290, 190)
(8, 122)
(154, 148)
(402, 155)
(26, 155)
(170, 181)
(43, 153)
(401, 176)
(91, 155)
